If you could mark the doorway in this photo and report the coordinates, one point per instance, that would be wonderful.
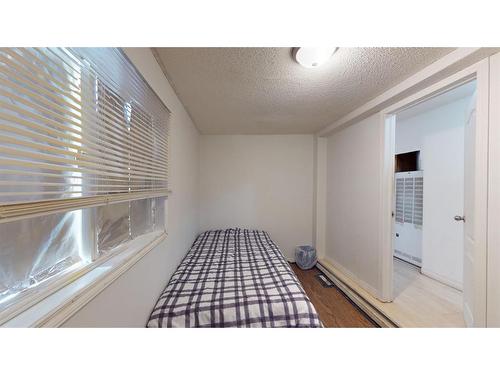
(429, 184)
(434, 196)
(428, 222)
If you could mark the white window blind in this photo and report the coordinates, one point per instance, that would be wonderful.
(79, 127)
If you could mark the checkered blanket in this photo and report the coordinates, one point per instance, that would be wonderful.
(234, 278)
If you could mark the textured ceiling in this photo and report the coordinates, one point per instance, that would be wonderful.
(263, 91)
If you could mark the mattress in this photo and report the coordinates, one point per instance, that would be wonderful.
(234, 278)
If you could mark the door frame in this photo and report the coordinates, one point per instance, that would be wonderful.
(493, 315)
(479, 72)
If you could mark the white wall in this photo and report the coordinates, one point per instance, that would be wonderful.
(319, 222)
(353, 201)
(129, 300)
(353, 196)
(439, 135)
(261, 182)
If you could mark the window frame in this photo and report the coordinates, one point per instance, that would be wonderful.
(129, 252)
(59, 310)
(32, 296)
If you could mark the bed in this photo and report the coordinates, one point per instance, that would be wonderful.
(234, 278)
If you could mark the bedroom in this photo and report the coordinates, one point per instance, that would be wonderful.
(172, 184)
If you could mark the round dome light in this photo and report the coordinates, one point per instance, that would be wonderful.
(311, 57)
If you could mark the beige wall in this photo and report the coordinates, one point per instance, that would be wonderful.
(262, 182)
(130, 299)
(353, 201)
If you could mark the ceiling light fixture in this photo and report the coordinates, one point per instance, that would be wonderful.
(312, 57)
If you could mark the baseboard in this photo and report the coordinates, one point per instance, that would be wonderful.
(441, 279)
(406, 261)
(343, 284)
(333, 265)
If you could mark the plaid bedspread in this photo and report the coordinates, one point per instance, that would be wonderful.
(234, 278)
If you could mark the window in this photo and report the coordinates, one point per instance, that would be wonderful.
(83, 163)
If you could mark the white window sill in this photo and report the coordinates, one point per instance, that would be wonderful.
(59, 306)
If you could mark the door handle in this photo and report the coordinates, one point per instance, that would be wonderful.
(459, 218)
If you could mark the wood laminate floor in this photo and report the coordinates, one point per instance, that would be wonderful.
(333, 307)
(420, 301)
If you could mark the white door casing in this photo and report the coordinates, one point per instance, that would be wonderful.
(468, 284)
(493, 316)
(476, 202)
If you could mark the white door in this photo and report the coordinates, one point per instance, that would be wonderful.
(469, 232)
(443, 198)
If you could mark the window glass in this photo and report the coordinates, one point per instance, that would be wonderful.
(113, 226)
(141, 216)
(37, 249)
(159, 209)
(118, 223)
(34, 250)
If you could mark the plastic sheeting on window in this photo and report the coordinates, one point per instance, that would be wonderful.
(113, 226)
(147, 215)
(141, 217)
(159, 210)
(117, 223)
(33, 250)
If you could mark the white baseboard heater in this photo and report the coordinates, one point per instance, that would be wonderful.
(369, 309)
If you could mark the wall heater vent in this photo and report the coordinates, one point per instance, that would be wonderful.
(408, 216)
(409, 199)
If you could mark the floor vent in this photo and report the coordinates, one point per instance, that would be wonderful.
(324, 281)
